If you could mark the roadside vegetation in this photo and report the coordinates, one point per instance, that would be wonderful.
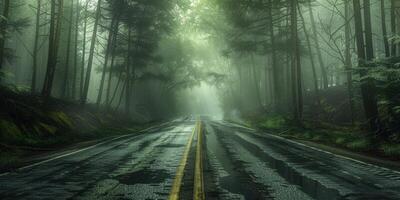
(352, 138)
(31, 125)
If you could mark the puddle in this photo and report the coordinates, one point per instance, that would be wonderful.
(145, 176)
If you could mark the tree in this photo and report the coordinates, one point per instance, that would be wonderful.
(54, 38)
(384, 31)
(276, 73)
(113, 52)
(82, 70)
(348, 62)
(107, 54)
(91, 54)
(393, 25)
(365, 53)
(36, 46)
(76, 56)
(3, 30)
(314, 71)
(316, 41)
(128, 74)
(295, 65)
(69, 38)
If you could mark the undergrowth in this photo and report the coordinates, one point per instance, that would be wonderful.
(346, 137)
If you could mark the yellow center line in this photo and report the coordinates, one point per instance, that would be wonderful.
(198, 189)
(176, 187)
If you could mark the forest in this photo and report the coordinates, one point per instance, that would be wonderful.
(326, 71)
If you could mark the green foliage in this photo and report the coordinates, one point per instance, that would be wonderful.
(386, 75)
(9, 132)
(391, 149)
(45, 129)
(275, 122)
(360, 144)
(62, 119)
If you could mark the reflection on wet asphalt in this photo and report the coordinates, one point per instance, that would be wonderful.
(239, 163)
(281, 169)
(137, 167)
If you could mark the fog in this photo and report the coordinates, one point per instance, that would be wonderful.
(162, 59)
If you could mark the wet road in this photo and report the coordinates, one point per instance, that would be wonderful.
(188, 159)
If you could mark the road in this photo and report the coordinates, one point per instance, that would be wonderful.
(193, 159)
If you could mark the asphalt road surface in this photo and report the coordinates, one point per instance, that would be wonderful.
(193, 159)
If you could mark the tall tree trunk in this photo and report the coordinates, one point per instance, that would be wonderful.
(294, 69)
(393, 25)
(348, 63)
(91, 54)
(114, 46)
(82, 71)
(277, 98)
(319, 53)
(36, 46)
(3, 30)
(364, 54)
(384, 30)
(116, 89)
(107, 53)
(75, 70)
(314, 71)
(256, 82)
(128, 75)
(69, 38)
(122, 95)
(372, 106)
(54, 38)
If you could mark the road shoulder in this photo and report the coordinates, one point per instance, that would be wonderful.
(356, 156)
(28, 157)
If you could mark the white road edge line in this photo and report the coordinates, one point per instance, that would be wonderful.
(320, 150)
(80, 150)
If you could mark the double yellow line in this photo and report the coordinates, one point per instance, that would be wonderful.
(198, 188)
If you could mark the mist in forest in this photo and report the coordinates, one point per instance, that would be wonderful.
(330, 61)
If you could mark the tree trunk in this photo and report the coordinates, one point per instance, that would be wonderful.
(36, 46)
(91, 54)
(114, 42)
(75, 70)
(314, 71)
(122, 95)
(384, 30)
(348, 63)
(66, 70)
(277, 99)
(116, 89)
(107, 53)
(319, 53)
(367, 87)
(128, 75)
(371, 101)
(294, 61)
(54, 38)
(3, 30)
(256, 82)
(393, 25)
(82, 73)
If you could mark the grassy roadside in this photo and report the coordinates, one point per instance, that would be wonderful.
(348, 138)
(32, 126)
